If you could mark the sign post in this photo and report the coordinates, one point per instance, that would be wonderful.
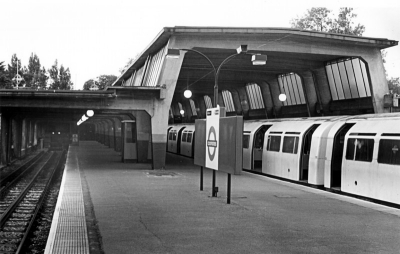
(219, 145)
(212, 143)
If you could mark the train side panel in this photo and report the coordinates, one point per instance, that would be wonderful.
(371, 163)
(318, 150)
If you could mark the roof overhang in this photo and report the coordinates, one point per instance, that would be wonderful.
(312, 36)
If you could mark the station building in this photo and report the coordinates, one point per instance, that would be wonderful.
(246, 70)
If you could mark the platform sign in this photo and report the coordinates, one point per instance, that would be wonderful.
(212, 137)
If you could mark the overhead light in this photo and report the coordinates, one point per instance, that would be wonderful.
(187, 94)
(282, 97)
(90, 113)
(259, 59)
(242, 49)
(173, 53)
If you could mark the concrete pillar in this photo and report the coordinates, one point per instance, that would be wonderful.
(159, 120)
(309, 90)
(275, 92)
(377, 82)
(267, 97)
(323, 88)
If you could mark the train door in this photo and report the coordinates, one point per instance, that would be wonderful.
(337, 155)
(305, 152)
(178, 141)
(258, 144)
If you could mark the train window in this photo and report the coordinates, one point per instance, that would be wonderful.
(246, 141)
(290, 144)
(389, 151)
(359, 149)
(274, 143)
(184, 135)
(189, 137)
(174, 135)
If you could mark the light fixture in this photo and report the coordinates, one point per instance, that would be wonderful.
(173, 53)
(187, 93)
(182, 111)
(90, 113)
(282, 97)
(259, 59)
(242, 49)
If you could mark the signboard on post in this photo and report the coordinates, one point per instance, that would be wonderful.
(229, 144)
(212, 137)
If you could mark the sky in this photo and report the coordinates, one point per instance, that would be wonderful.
(95, 38)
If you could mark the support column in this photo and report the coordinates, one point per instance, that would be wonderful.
(377, 82)
(159, 119)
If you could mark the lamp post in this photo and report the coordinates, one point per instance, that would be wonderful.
(257, 59)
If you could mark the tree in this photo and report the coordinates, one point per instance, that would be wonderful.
(33, 72)
(5, 81)
(318, 19)
(89, 84)
(54, 79)
(60, 79)
(65, 79)
(101, 82)
(42, 79)
(394, 85)
(344, 24)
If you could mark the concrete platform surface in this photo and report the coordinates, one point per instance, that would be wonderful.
(145, 211)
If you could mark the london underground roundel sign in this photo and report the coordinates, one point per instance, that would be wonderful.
(212, 136)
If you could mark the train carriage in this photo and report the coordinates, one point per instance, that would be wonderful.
(371, 163)
(174, 137)
(187, 141)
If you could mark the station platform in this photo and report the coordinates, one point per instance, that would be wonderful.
(139, 210)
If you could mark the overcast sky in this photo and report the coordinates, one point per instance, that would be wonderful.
(98, 37)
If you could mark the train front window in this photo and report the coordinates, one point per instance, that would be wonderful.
(189, 137)
(274, 143)
(389, 152)
(184, 137)
(359, 149)
(290, 144)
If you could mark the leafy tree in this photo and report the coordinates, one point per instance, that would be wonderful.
(42, 79)
(60, 78)
(319, 19)
(5, 81)
(106, 80)
(316, 19)
(344, 24)
(394, 85)
(54, 79)
(88, 84)
(65, 79)
(101, 82)
(33, 72)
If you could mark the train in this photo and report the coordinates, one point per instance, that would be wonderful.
(357, 155)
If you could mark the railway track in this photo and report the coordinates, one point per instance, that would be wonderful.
(21, 201)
